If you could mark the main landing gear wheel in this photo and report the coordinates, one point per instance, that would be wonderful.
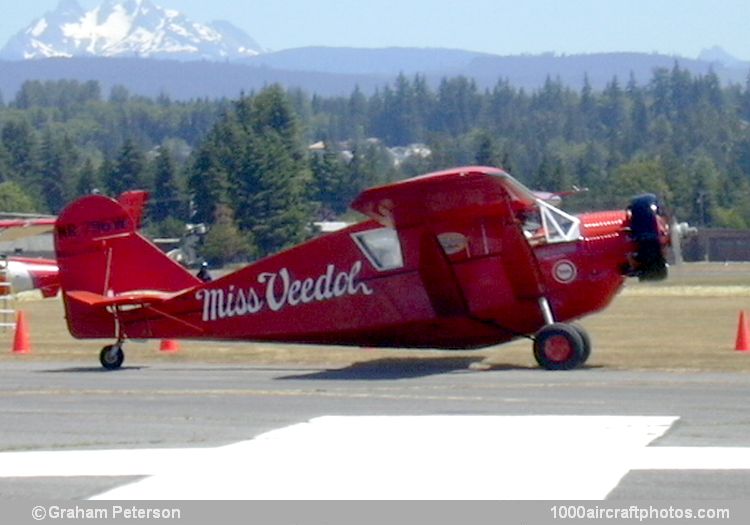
(559, 347)
(586, 341)
(111, 357)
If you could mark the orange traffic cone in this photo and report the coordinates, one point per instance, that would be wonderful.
(21, 340)
(169, 345)
(743, 335)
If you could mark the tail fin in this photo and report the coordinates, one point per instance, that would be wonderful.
(134, 203)
(100, 251)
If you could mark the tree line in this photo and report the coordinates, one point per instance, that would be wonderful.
(245, 167)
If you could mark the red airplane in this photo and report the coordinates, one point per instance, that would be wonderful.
(20, 274)
(458, 259)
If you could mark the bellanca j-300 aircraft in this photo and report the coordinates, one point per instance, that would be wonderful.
(459, 259)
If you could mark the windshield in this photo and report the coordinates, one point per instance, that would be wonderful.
(544, 223)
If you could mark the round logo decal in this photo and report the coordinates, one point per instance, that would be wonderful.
(564, 272)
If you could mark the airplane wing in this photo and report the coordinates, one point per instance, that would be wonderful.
(465, 192)
(436, 195)
(14, 229)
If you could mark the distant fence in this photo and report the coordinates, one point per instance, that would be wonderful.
(718, 245)
(36, 246)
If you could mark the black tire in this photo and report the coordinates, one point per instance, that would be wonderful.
(586, 341)
(111, 360)
(559, 347)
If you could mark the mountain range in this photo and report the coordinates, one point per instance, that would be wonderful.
(127, 28)
(151, 51)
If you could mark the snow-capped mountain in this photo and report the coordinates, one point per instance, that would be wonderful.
(719, 55)
(118, 28)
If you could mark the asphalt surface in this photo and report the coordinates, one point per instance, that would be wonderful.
(71, 407)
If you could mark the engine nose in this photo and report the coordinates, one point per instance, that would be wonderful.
(649, 231)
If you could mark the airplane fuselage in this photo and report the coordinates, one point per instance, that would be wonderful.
(467, 290)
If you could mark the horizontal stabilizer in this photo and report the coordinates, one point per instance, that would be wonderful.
(132, 298)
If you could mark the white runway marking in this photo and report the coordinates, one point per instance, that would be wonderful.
(382, 457)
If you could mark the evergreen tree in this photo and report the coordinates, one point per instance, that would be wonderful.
(273, 208)
(14, 199)
(661, 93)
(105, 173)
(57, 164)
(167, 200)
(705, 192)
(256, 151)
(21, 147)
(614, 113)
(638, 177)
(457, 107)
(552, 175)
(209, 185)
(128, 170)
(356, 115)
(88, 179)
(590, 173)
(588, 110)
(637, 133)
(5, 170)
(487, 153)
(214, 181)
(501, 109)
(329, 183)
(744, 102)
(224, 243)
(371, 165)
(403, 120)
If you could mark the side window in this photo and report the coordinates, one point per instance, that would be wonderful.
(381, 247)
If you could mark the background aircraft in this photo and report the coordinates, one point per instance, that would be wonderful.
(21, 274)
(458, 259)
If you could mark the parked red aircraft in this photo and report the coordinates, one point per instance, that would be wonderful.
(20, 274)
(458, 259)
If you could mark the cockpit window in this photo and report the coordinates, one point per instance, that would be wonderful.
(381, 247)
(547, 224)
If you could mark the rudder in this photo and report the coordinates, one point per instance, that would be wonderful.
(99, 250)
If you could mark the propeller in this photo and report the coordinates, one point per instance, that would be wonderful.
(649, 229)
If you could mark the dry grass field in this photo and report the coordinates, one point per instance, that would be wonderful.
(686, 323)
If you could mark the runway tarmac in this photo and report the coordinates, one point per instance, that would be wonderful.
(385, 429)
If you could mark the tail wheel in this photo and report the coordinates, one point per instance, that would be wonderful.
(111, 357)
(559, 347)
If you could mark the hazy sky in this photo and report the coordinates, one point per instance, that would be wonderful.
(683, 27)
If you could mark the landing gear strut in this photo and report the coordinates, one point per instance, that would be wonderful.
(112, 356)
